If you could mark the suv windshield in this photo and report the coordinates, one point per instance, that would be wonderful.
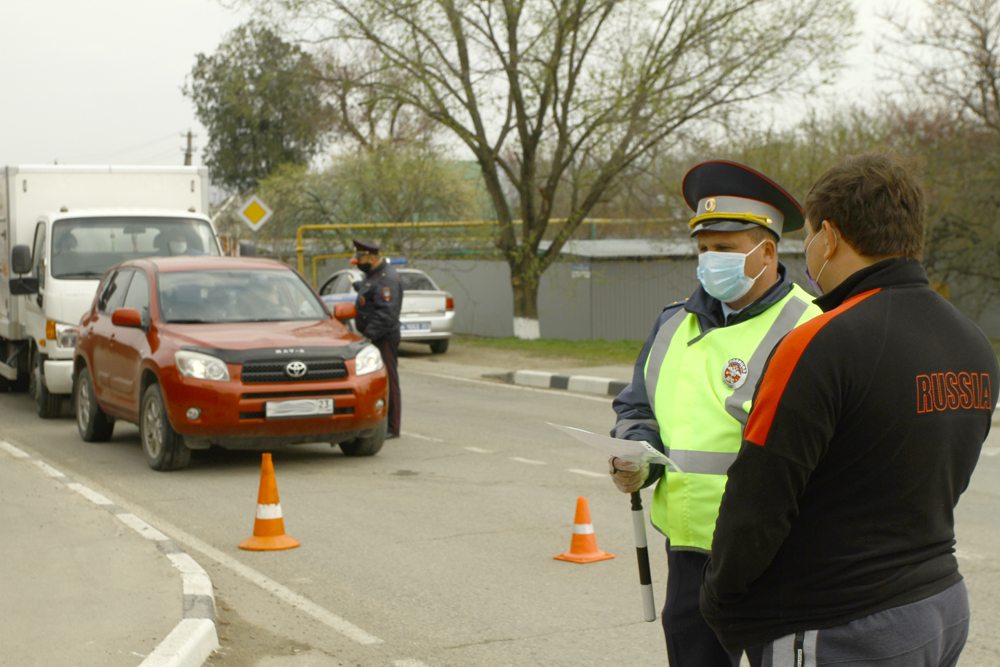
(85, 248)
(196, 297)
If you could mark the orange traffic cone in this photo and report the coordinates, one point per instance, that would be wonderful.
(268, 527)
(583, 548)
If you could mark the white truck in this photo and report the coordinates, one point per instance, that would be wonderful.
(61, 228)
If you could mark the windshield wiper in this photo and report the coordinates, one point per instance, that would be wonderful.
(190, 322)
(79, 274)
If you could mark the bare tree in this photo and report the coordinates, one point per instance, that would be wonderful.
(953, 54)
(540, 90)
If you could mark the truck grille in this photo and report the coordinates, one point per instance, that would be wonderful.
(317, 370)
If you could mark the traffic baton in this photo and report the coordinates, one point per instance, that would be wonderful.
(642, 555)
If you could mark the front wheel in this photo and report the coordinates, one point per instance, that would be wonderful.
(163, 446)
(368, 446)
(439, 346)
(47, 404)
(92, 422)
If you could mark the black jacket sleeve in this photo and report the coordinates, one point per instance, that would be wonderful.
(790, 426)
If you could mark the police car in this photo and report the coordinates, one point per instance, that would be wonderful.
(428, 312)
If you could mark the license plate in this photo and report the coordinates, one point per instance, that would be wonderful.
(306, 407)
(418, 326)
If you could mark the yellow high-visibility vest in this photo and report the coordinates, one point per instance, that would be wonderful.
(700, 386)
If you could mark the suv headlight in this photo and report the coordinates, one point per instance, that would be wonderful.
(369, 360)
(66, 336)
(201, 366)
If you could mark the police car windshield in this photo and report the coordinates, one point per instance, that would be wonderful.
(236, 296)
(85, 248)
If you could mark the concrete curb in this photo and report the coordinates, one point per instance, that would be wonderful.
(587, 384)
(193, 639)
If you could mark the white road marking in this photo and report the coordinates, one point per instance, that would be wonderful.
(409, 663)
(991, 451)
(968, 555)
(13, 451)
(586, 472)
(523, 460)
(477, 450)
(302, 603)
(421, 437)
(550, 392)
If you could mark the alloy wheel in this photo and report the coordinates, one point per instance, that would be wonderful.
(152, 428)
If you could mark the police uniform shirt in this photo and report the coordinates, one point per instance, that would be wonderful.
(380, 300)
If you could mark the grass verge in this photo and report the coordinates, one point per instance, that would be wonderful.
(594, 352)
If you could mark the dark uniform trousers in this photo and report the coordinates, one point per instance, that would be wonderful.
(389, 347)
(690, 641)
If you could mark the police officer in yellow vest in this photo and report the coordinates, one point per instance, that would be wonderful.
(694, 381)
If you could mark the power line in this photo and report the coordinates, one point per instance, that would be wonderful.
(117, 151)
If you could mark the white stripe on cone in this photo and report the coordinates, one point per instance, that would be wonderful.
(583, 529)
(274, 512)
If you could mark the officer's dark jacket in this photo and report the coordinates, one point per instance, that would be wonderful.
(380, 299)
(632, 404)
(865, 429)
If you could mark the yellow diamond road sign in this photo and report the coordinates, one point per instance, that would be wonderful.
(255, 213)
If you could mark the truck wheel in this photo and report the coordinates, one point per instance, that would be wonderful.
(439, 346)
(47, 405)
(368, 446)
(93, 423)
(163, 446)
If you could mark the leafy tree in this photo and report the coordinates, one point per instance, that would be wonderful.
(569, 94)
(262, 102)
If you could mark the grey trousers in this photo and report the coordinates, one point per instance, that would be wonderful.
(927, 633)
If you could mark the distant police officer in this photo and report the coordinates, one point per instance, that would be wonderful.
(695, 376)
(380, 299)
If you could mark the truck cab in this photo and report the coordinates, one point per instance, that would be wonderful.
(70, 253)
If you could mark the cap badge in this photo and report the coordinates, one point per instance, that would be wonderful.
(735, 373)
(709, 205)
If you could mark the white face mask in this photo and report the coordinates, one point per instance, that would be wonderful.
(723, 276)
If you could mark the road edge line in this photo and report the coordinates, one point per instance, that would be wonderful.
(196, 636)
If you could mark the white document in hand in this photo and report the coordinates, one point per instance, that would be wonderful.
(635, 451)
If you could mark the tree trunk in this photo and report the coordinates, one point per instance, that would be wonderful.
(525, 284)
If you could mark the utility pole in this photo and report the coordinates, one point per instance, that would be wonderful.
(190, 149)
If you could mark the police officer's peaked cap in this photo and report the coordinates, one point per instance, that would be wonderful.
(366, 247)
(729, 197)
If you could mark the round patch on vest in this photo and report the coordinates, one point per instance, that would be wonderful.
(735, 373)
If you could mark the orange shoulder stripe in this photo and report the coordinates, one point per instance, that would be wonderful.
(781, 367)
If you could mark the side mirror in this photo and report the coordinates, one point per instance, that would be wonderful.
(345, 311)
(21, 286)
(20, 260)
(126, 317)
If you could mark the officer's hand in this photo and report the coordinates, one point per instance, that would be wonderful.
(627, 476)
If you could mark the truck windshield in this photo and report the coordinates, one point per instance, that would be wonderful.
(84, 248)
(201, 297)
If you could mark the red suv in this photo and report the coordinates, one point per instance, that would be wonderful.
(235, 352)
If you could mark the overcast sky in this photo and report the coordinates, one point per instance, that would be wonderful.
(99, 81)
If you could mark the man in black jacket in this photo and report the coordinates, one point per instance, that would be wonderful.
(380, 300)
(835, 538)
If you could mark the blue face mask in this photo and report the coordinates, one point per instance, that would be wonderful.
(722, 276)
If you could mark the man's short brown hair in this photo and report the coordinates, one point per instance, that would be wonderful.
(875, 203)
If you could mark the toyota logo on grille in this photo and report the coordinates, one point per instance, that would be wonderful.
(296, 369)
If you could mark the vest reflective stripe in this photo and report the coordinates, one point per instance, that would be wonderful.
(626, 424)
(703, 463)
(791, 313)
(657, 352)
(701, 417)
